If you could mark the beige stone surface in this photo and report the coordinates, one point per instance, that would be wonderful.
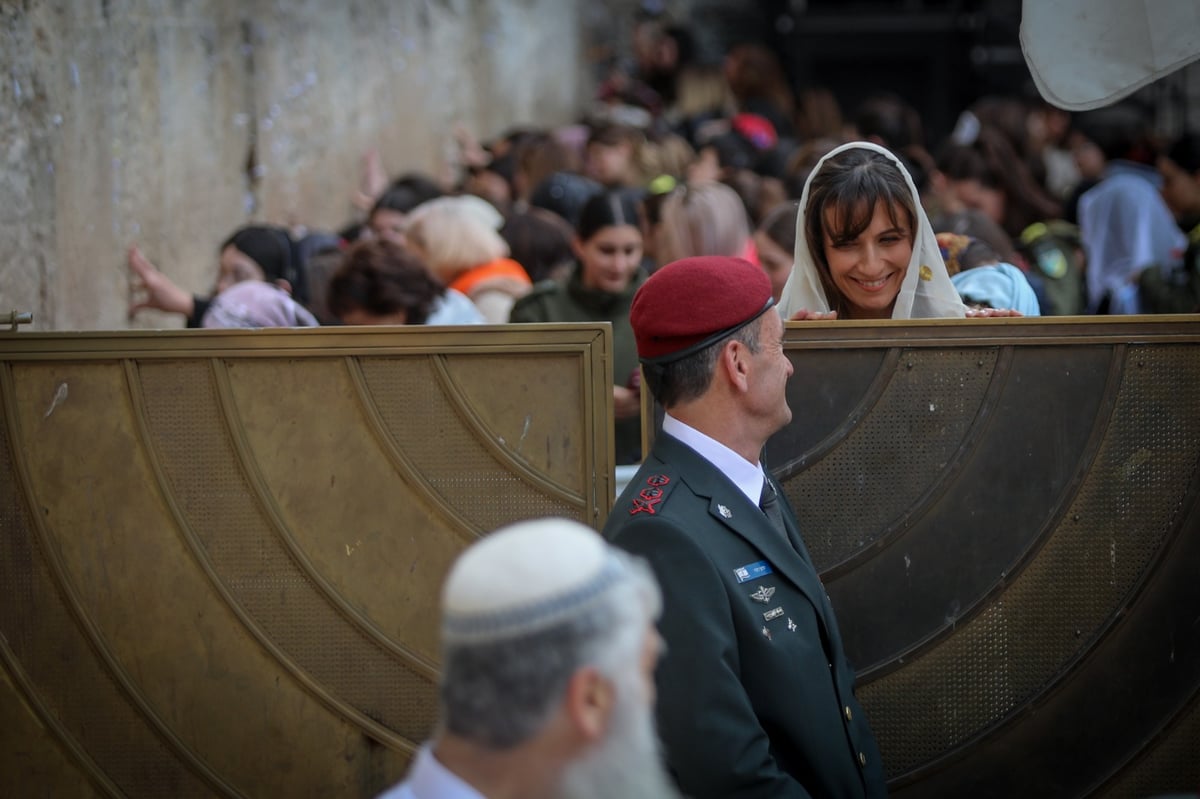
(169, 124)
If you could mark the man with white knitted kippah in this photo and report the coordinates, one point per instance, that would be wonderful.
(548, 654)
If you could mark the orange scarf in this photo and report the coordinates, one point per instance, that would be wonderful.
(505, 268)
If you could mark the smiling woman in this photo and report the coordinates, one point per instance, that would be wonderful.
(864, 247)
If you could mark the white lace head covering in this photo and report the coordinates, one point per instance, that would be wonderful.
(925, 293)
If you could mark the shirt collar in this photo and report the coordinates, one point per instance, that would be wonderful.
(747, 476)
(429, 779)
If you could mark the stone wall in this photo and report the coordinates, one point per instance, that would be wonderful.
(169, 123)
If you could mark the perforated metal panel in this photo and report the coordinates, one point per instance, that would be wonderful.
(913, 425)
(240, 538)
(62, 672)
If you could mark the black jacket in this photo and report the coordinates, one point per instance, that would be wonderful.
(755, 697)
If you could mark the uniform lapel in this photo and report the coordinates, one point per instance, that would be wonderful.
(729, 506)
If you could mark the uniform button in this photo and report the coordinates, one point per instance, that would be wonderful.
(862, 760)
(849, 715)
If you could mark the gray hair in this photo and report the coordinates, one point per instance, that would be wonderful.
(499, 693)
(688, 378)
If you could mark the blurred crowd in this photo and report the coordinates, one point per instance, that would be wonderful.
(1035, 211)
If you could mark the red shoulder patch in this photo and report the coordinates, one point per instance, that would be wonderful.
(648, 498)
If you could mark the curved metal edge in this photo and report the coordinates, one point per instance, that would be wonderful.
(75, 750)
(87, 626)
(196, 548)
(399, 459)
(1165, 730)
(1087, 648)
(1070, 491)
(505, 457)
(893, 533)
(90, 768)
(883, 378)
(258, 483)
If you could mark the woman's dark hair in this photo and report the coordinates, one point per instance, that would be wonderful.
(891, 120)
(275, 253)
(852, 183)
(1121, 131)
(780, 225)
(540, 241)
(1185, 153)
(992, 161)
(382, 278)
(407, 192)
(610, 209)
(564, 193)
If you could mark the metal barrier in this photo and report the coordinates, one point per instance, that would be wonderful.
(1007, 518)
(221, 552)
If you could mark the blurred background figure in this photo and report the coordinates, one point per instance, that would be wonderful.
(775, 240)
(458, 239)
(254, 252)
(700, 219)
(547, 687)
(253, 303)
(1124, 223)
(600, 287)
(380, 283)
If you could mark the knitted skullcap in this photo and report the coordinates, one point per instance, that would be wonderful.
(526, 578)
(694, 302)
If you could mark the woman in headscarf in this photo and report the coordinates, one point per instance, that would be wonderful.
(864, 247)
(253, 252)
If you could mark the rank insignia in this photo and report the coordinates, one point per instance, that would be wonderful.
(773, 613)
(650, 496)
(725, 512)
(763, 594)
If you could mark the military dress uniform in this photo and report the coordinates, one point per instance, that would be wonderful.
(755, 697)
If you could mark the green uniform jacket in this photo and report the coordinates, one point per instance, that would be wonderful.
(755, 697)
(551, 301)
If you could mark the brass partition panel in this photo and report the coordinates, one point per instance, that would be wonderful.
(221, 552)
(1006, 515)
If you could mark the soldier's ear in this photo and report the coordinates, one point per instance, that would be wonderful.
(735, 362)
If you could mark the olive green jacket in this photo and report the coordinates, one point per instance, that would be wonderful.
(570, 301)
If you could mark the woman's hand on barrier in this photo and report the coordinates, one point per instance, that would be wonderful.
(152, 289)
(805, 315)
(987, 313)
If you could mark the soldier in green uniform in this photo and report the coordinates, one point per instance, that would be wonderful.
(755, 697)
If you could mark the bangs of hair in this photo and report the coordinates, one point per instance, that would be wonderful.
(850, 206)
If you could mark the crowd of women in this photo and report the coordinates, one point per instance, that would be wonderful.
(1023, 210)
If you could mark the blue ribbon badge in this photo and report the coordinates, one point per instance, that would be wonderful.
(752, 571)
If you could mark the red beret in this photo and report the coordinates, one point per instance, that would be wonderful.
(693, 302)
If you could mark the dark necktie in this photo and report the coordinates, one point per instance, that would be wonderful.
(770, 506)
